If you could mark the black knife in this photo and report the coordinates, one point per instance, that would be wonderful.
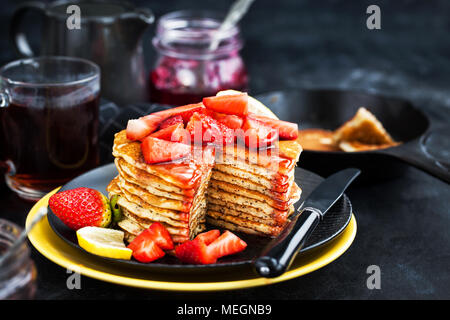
(281, 251)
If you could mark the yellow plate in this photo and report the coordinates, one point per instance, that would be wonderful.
(45, 240)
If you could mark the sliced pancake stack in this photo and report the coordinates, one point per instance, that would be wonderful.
(172, 193)
(215, 162)
(253, 192)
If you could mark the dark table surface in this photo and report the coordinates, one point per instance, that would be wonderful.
(403, 223)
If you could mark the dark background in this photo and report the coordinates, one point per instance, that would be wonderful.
(404, 223)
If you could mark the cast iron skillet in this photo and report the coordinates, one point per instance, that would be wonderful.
(328, 109)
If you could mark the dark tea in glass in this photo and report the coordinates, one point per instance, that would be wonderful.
(48, 122)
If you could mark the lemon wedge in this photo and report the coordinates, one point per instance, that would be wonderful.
(104, 242)
(254, 106)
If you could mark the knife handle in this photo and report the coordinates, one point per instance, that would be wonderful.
(280, 253)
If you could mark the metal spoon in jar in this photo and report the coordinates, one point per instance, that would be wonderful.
(236, 12)
(21, 238)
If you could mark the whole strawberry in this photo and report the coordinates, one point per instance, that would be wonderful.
(81, 207)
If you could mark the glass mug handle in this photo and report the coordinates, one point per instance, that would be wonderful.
(5, 100)
(18, 37)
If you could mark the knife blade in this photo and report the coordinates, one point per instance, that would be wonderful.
(281, 251)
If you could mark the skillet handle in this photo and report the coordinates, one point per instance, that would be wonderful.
(414, 154)
(280, 253)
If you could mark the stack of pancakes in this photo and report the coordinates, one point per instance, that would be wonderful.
(172, 193)
(253, 191)
(233, 188)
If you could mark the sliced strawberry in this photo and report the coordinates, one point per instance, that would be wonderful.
(286, 130)
(228, 243)
(195, 252)
(230, 120)
(156, 150)
(145, 248)
(209, 236)
(206, 129)
(185, 112)
(160, 235)
(138, 129)
(257, 135)
(188, 110)
(167, 133)
(171, 121)
(236, 104)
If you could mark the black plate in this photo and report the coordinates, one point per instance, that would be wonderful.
(333, 224)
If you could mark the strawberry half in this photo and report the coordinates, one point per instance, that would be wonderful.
(195, 252)
(228, 243)
(145, 248)
(206, 129)
(171, 121)
(236, 104)
(286, 130)
(160, 235)
(138, 129)
(156, 150)
(167, 133)
(230, 120)
(208, 236)
(258, 135)
(81, 207)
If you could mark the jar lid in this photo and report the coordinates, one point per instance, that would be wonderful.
(187, 34)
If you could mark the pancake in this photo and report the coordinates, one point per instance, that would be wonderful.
(365, 128)
(185, 173)
(238, 192)
(250, 185)
(241, 224)
(153, 186)
(129, 200)
(355, 146)
(264, 213)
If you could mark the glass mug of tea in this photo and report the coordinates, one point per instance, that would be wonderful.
(48, 122)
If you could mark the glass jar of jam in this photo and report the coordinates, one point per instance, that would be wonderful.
(17, 271)
(186, 68)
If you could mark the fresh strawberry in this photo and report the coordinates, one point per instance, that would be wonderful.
(206, 129)
(228, 243)
(195, 252)
(174, 133)
(160, 235)
(208, 236)
(187, 111)
(81, 207)
(236, 104)
(156, 150)
(166, 133)
(145, 248)
(286, 130)
(171, 121)
(258, 135)
(140, 128)
(230, 120)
